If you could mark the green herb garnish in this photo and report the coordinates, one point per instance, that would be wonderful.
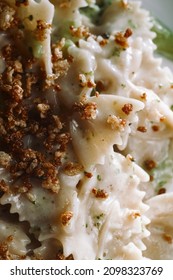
(164, 39)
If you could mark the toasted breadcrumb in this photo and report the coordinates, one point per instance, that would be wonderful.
(66, 217)
(116, 122)
(41, 30)
(167, 238)
(80, 32)
(72, 168)
(4, 251)
(4, 187)
(121, 39)
(26, 115)
(99, 193)
(142, 129)
(6, 16)
(5, 159)
(87, 111)
(127, 108)
(149, 164)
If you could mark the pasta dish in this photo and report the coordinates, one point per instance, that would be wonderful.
(86, 127)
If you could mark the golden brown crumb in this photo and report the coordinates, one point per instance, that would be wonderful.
(149, 164)
(66, 217)
(5, 159)
(7, 14)
(88, 174)
(41, 30)
(161, 191)
(155, 128)
(59, 62)
(57, 121)
(4, 187)
(99, 193)
(4, 251)
(72, 168)
(17, 91)
(128, 33)
(121, 38)
(167, 238)
(31, 79)
(80, 32)
(17, 66)
(116, 122)
(43, 109)
(26, 115)
(142, 129)
(103, 42)
(127, 108)
(87, 111)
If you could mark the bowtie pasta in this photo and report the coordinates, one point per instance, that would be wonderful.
(86, 128)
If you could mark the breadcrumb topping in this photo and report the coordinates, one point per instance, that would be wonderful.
(149, 164)
(4, 187)
(66, 217)
(99, 193)
(121, 38)
(80, 32)
(116, 122)
(167, 238)
(72, 168)
(60, 64)
(6, 16)
(41, 30)
(87, 111)
(4, 251)
(5, 159)
(33, 139)
(127, 108)
(142, 129)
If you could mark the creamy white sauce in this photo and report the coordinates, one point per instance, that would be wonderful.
(114, 226)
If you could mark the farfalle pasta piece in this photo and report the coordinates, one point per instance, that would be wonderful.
(159, 244)
(84, 105)
(36, 18)
(13, 241)
(39, 206)
(105, 216)
(100, 123)
(50, 249)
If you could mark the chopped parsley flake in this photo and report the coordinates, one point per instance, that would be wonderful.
(99, 178)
